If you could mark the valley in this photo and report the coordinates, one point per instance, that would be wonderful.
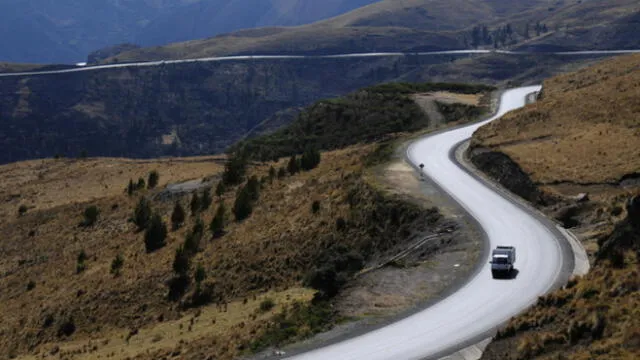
(307, 232)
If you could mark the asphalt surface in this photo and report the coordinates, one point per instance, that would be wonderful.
(483, 303)
(284, 57)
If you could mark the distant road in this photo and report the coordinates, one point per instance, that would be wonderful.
(337, 56)
(473, 312)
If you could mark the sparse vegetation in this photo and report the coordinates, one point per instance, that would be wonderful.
(586, 147)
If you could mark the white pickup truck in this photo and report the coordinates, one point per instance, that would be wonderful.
(502, 260)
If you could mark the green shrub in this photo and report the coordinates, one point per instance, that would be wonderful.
(142, 213)
(267, 304)
(153, 179)
(81, 262)
(116, 265)
(90, 216)
(155, 234)
(141, 184)
(293, 166)
(22, 210)
(31, 285)
(315, 207)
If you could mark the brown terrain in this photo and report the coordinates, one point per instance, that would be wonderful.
(56, 305)
(576, 155)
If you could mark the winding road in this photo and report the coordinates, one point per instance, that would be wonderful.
(337, 56)
(479, 307)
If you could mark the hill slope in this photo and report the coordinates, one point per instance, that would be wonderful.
(67, 30)
(412, 25)
(580, 138)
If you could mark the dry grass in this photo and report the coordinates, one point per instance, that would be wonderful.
(582, 136)
(584, 131)
(45, 184)
(270, 251)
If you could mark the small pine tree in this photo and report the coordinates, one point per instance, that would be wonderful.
(80, 263)
(22, 210)
(156, 234)
(177, 216)
(131, 188)
(116, 265)
(292, 166)
(243, 207)
(282, 173)
(253, 187)
(200, 275)
(192, 241)
(90, 216)
(142, 213)
(195, 204)
(272, 174)
(235, 169)
(181, 262)
(141, 184)
(310, 159)
(206, 200)
(152, 181)
(217, 223)
(220, 189)
(315, 207)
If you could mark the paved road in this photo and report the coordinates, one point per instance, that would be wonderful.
(473, 312)
(284, 57)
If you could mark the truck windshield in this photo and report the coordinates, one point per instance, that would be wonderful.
(500, 260)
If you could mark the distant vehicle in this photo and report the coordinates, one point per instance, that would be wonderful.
(502, 260)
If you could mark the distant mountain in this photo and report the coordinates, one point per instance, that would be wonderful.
(44, 31)
(206, 18)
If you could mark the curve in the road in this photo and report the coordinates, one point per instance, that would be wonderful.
(284, 57)
(482, 304)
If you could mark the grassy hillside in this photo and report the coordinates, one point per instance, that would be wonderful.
(580, 138)
(78, 285)
(411, 25)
